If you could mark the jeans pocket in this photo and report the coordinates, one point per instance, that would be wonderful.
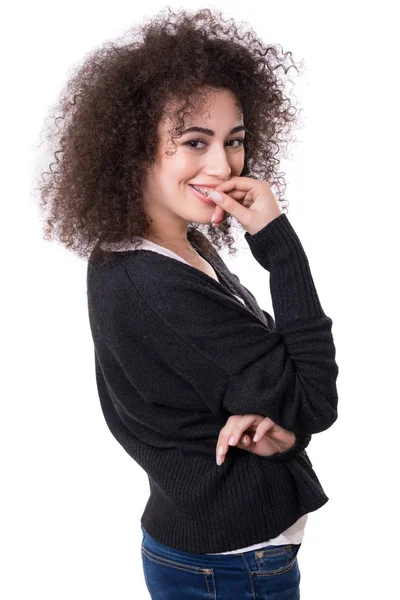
(167, 579)
(275, 560)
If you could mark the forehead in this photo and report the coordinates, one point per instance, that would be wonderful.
(205, 103)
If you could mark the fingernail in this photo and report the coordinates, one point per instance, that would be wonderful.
(219, 460)
(216, 196)
(231, 440)
(220, 450)
(213, 218)
(255, 438)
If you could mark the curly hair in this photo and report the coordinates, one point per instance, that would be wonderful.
(105, 135)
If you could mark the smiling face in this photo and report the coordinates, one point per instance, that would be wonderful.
(203, 158)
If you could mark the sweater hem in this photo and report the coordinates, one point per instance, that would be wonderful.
(280, 493)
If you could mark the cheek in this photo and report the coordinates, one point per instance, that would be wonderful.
(187, 160)
(179, 167)
(237, 163)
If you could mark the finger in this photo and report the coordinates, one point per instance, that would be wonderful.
(241, 427)
(231, 206)
(244, 440)
(232, 431)
(236, 187)
(242, 184)
(246, 443)
(266, 425)
(236, 194)
(218, 222)
(277, 436)
(218, 216)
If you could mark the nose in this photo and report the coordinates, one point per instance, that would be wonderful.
(218, 166)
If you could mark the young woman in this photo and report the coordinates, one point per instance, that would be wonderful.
(161, 138)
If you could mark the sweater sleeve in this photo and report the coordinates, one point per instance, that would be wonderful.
(288, 374)
(302, 441)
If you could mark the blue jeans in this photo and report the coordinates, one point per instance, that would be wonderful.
(271, 572)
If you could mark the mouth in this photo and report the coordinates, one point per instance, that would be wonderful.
(202, 196)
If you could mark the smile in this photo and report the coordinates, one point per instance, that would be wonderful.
(202, 196)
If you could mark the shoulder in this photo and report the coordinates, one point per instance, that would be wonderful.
(144, 273)
(146, 285)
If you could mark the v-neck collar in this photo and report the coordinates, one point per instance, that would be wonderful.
(225, 279)
(222, 279)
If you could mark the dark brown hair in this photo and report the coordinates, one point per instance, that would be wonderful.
(105, 132)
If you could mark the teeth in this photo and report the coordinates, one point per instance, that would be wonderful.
(204, 191)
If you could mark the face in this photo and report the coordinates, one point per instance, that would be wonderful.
(202, 158)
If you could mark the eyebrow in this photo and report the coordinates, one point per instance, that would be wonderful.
(211, 132)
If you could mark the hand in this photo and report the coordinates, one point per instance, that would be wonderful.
(272, 438)
(257, 206)
(219, 216)
(219, 213)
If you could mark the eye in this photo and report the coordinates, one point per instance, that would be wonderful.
(240, 140)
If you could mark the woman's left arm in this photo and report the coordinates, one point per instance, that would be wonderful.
(259, 435)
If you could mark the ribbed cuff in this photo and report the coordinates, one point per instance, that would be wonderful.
(277, 248)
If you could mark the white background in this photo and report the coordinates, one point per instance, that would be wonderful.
(71, 497)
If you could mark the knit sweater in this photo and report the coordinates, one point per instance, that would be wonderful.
(295, 533)
(176, 353)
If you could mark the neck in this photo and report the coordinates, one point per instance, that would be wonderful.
(184, 245)
(164, 239)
